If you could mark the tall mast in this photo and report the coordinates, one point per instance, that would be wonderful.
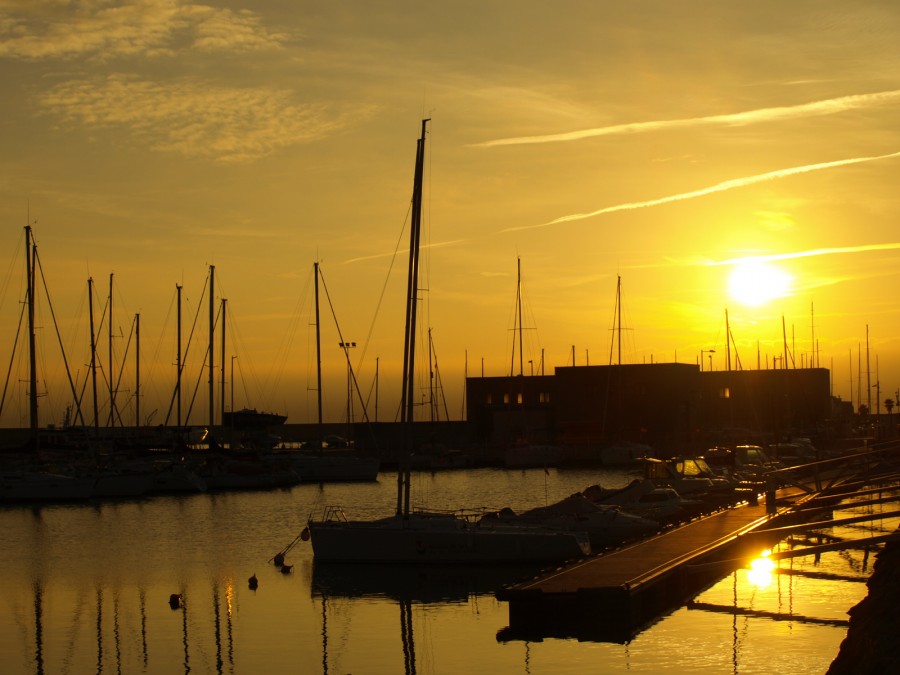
(409, 342)
(868, 374)
(617, 325)
(137, 370)
(727, 342)
(222, 402)
(318, 360)
(812, 320)
(431, 382)
(212, 330)
(519, 310)
(93, 351)
(32, 355)
(178, 358)
(784, 353)
(619, 316)
(109, 332)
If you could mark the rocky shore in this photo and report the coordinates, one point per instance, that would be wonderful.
(872, 645)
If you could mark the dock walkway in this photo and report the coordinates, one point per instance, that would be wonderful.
(627, 587)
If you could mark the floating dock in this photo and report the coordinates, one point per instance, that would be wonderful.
(612, 596)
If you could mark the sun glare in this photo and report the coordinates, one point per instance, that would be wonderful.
(761, 570)
(754, 283)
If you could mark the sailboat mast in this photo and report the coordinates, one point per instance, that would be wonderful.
(32, 356)
(178, 358)
(209, 360)
(137, 370)
(619, 315)
(318, 359)
(93, 351)
(727, 342)
(109, 332)
(519, 310)
(409, 342)
(222, 401)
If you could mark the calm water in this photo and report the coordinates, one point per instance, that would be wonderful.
(86, 589)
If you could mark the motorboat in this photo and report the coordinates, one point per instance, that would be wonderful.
(605, 524)
(439, 538)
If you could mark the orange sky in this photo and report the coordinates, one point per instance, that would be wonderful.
(660, 142)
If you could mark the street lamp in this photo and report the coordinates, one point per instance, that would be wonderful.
(531, 363)
(706, 351)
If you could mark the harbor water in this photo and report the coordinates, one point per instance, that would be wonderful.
(87, 589)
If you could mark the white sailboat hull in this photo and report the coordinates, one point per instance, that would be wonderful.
(438, 538)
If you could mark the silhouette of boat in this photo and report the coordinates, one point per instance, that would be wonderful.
(427, 537)
(251, 418)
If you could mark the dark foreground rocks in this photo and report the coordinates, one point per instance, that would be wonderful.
(872, 644)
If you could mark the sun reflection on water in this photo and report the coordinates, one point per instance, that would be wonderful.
(762, 570)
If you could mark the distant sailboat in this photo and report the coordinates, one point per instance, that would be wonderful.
(423, 537)
(320, 465)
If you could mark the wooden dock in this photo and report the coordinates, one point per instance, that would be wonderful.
(610, 597)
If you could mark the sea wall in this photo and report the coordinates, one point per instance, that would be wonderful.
(872, 645)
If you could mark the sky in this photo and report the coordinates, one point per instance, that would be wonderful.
(716, 159)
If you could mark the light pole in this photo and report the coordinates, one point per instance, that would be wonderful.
(706, 351)
(531, 364)
(710, 352)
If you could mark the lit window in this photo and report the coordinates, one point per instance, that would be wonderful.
(724, 392)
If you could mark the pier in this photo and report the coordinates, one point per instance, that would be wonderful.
(612, 596)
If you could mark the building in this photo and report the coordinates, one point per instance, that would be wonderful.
(664, 405)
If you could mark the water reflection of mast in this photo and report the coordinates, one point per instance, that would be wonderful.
(116, 640)
(406, 635)
(324, 637)
(38, 627)
(217, 628)
(184, 634)
(142, 596)
(99, 629)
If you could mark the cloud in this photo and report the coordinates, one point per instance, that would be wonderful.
(719, 187)
(864, 248)
(376, 256)
(815, 108)
(50, 29)
(194, 119)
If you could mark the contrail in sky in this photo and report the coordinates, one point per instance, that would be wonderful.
(720, 187)
(827, 107)
(809, 254)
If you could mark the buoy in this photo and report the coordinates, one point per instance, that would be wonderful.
(279, 559)
(286, 569)
(252, 583)
(175, 600)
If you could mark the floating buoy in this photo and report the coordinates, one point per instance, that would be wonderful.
(304, 535)
(175, 600)
(286, 569)
(252, 583)
(279, 559)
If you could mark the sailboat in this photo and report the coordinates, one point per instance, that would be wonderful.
(429, 537)
(321, 466)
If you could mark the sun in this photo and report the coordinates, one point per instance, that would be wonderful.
(755, 283)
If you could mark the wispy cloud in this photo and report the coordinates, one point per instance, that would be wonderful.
(816, 108)
(194, 119)
(50, 29)
(865, 248)
(719, 187)
(439, 244)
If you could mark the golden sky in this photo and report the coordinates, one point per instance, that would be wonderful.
(657, 141)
